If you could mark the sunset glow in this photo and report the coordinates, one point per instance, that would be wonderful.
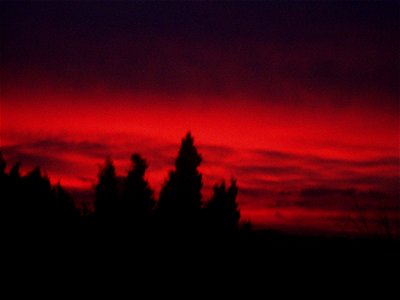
(282, 107)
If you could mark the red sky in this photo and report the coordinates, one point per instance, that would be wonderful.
(286, 107)
(270, 150)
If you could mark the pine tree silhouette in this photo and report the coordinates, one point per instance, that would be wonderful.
(180, 197)
(106, 203)
(138, 199)
(30, 203)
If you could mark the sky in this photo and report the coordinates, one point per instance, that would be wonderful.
(299, 101)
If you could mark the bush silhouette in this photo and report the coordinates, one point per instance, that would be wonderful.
(222, 210)
(32, 206)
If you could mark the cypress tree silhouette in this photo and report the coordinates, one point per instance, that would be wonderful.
(180, 197)
(137, 200)
(106, 202)
(222, 210)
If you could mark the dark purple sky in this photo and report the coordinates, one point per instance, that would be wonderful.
(261, 48)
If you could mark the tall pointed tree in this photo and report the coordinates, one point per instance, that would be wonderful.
(138, 199)
(181, 194)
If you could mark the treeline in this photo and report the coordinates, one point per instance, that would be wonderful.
(31, 205)
(128, 205)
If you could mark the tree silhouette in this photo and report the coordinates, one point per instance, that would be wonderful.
(13, 192)
(3, 165)
(137, 199)
(106, 202)
(180, 197)
(15, 173)
(4, 178)
(36, 201)
(68, 216)
(7, 209)
(222, 210)
(4, 181)
(31, 204)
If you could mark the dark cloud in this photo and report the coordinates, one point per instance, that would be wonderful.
(274, 170)
(338, 177)
(275, 155)
(347, 199)
(217, 151)
(54, 146)
(324, 162)
(322, 192)
(319, 198)
(251, 194)
(47, 162)
(366, 163)
(388, 183)
(86, 179)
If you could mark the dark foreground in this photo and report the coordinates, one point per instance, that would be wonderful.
(255, 246)
(241, 265)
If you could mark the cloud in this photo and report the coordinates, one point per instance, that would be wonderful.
(56, 145)
(322, 192)
(273, 170)
(29, 160)
(216, 152)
